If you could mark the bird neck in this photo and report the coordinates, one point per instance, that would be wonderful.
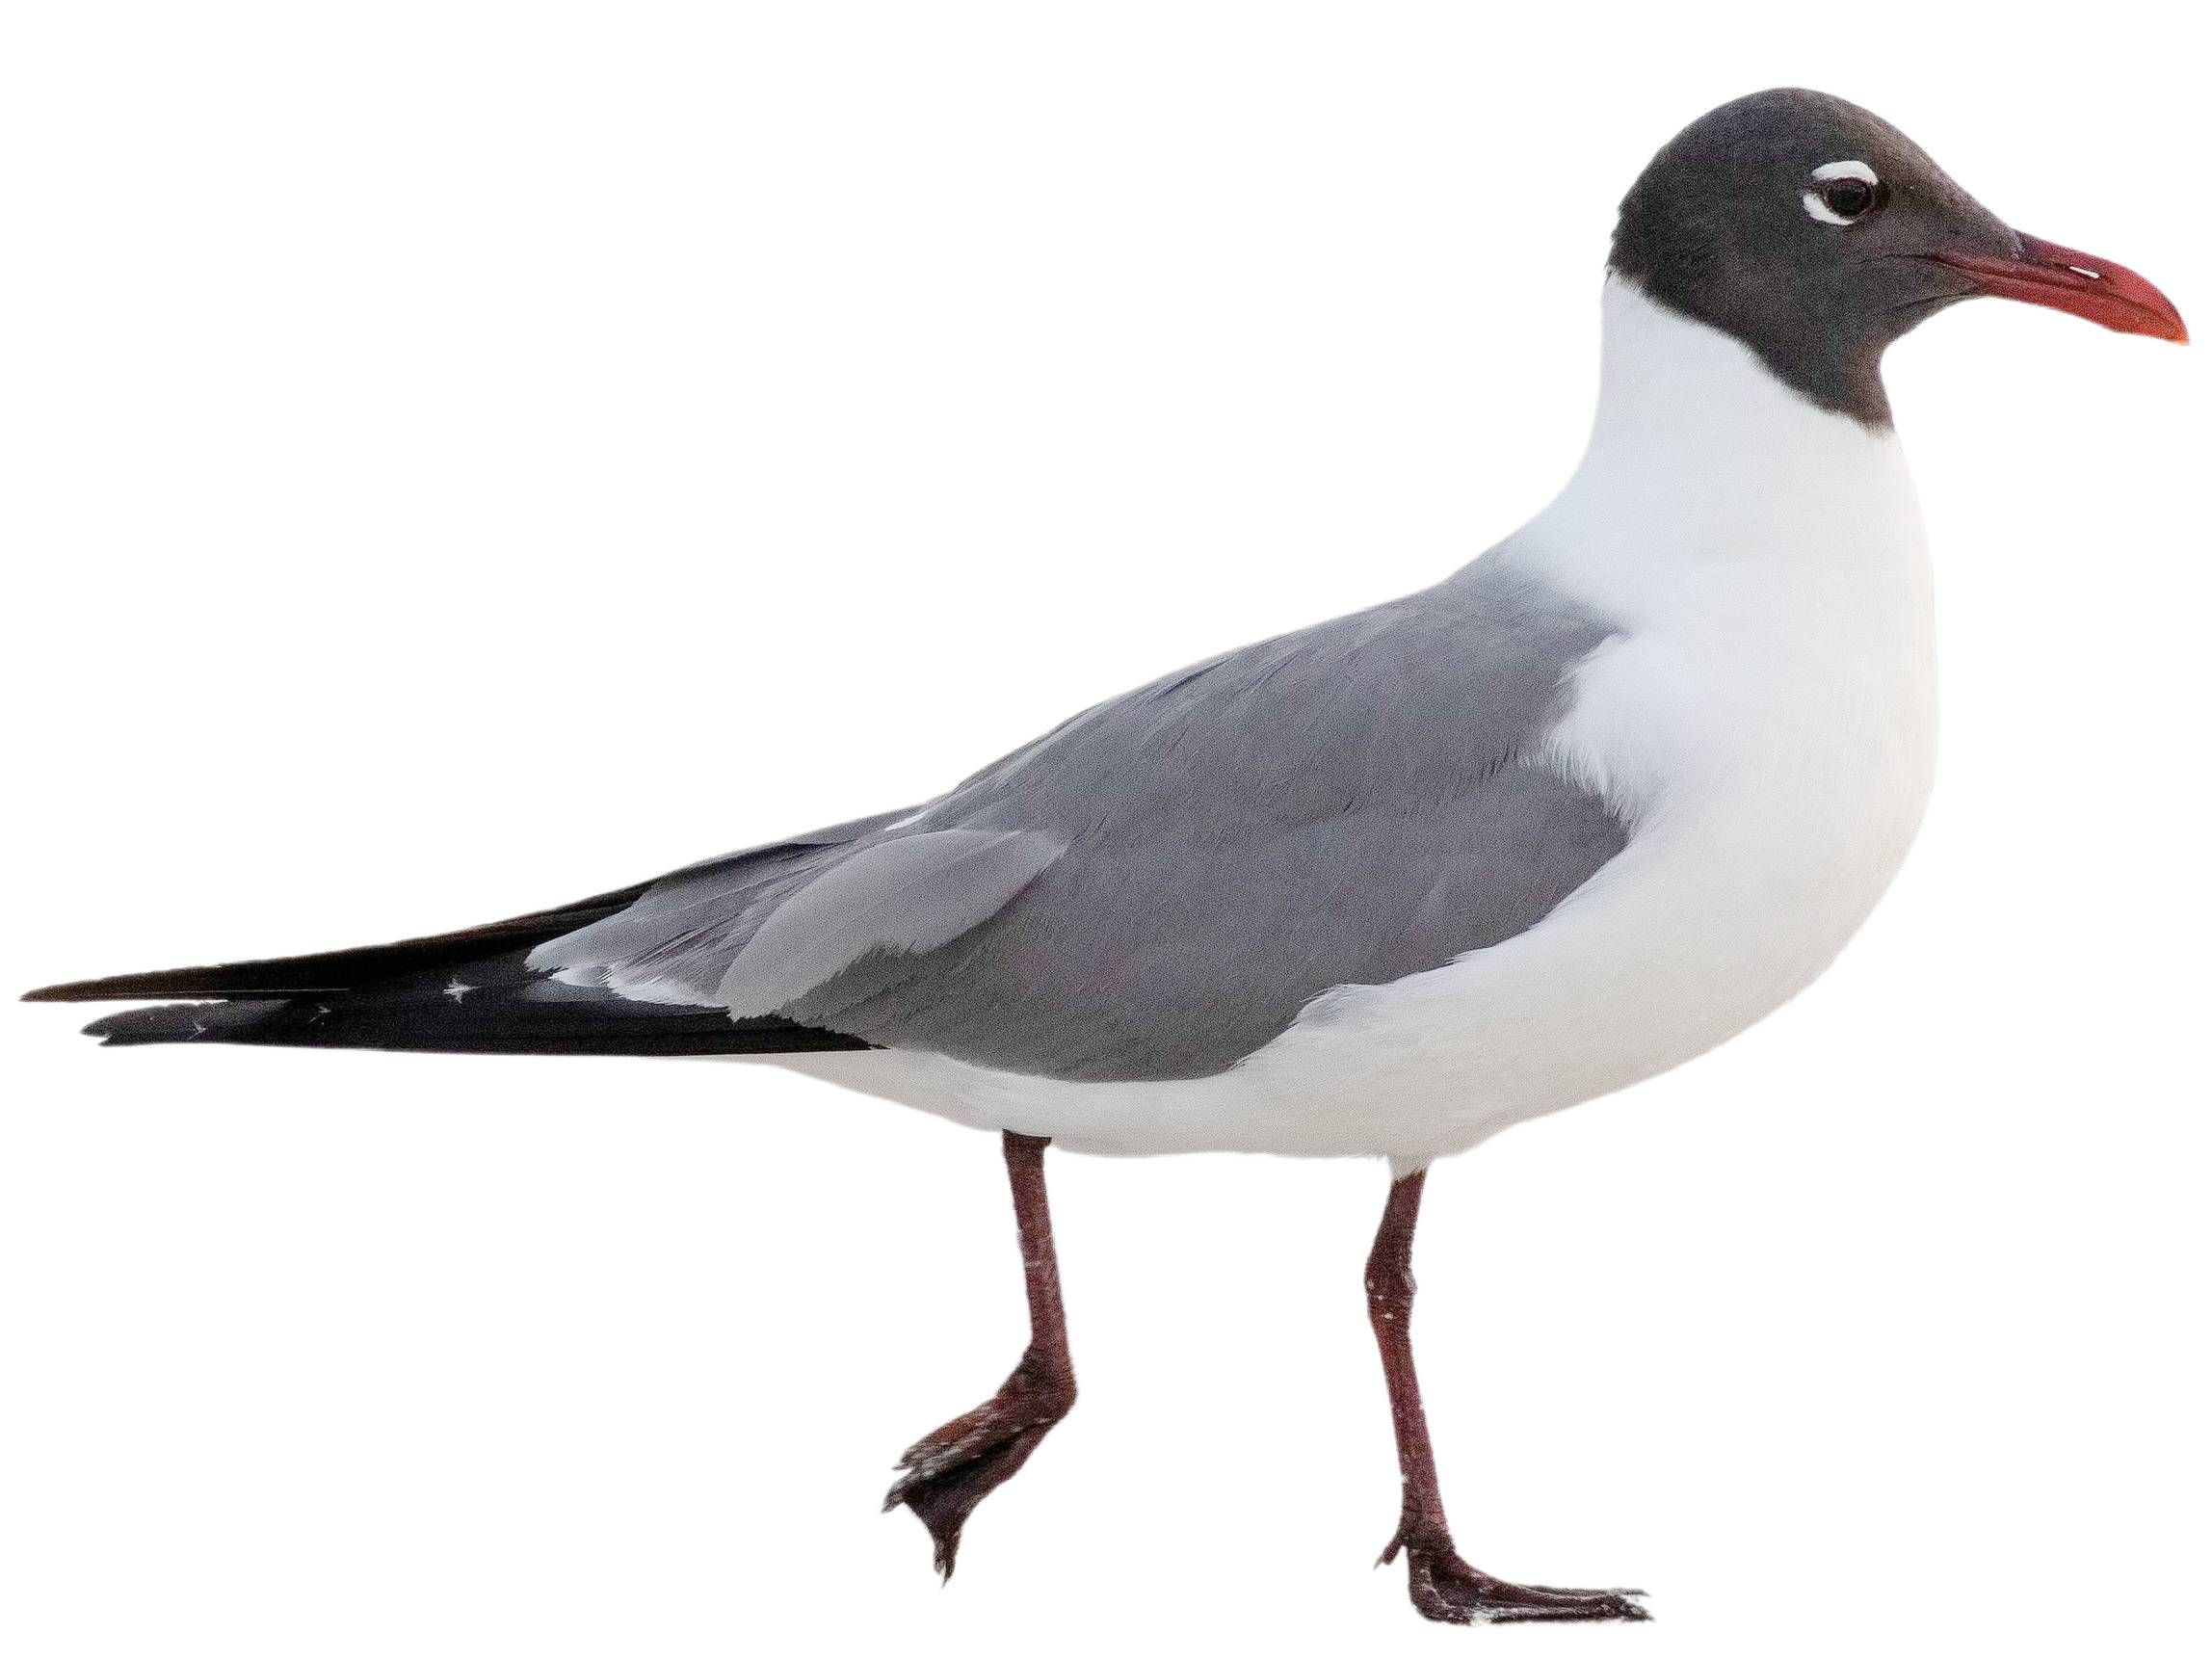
(1691, 422)
(1703, 467)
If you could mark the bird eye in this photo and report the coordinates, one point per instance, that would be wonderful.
(1843, 192)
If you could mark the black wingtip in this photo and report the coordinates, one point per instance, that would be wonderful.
(126, 987)
(179, 1022)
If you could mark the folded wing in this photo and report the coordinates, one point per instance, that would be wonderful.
(1158, 887)
(1153, 890)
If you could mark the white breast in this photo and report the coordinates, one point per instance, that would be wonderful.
(1765, 720)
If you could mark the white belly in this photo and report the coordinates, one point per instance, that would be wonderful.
(1766, 721)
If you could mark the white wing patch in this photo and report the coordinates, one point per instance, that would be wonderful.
(912, 894)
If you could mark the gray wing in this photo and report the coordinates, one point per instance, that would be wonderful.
(1156, 889)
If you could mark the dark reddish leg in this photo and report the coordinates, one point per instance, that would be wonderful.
(951, 1471)
(1443, 1586)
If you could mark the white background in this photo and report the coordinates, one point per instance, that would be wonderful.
(463, 457)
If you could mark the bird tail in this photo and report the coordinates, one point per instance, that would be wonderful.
(466, 992)
(456, 1015)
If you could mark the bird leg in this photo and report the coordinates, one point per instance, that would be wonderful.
(1444, 1587)
(950, 1471)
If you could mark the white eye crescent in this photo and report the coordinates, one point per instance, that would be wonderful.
(1843, 192)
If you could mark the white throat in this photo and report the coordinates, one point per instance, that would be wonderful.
(1696, 438)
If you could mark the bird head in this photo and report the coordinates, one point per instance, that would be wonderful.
(1817, 233)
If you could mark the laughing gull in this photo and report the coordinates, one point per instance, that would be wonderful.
(1387, 885)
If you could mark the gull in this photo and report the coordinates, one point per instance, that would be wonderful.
(1387, 885)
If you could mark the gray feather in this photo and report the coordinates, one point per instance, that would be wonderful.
(1156, 889)
(904, 896)
(676, 942)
